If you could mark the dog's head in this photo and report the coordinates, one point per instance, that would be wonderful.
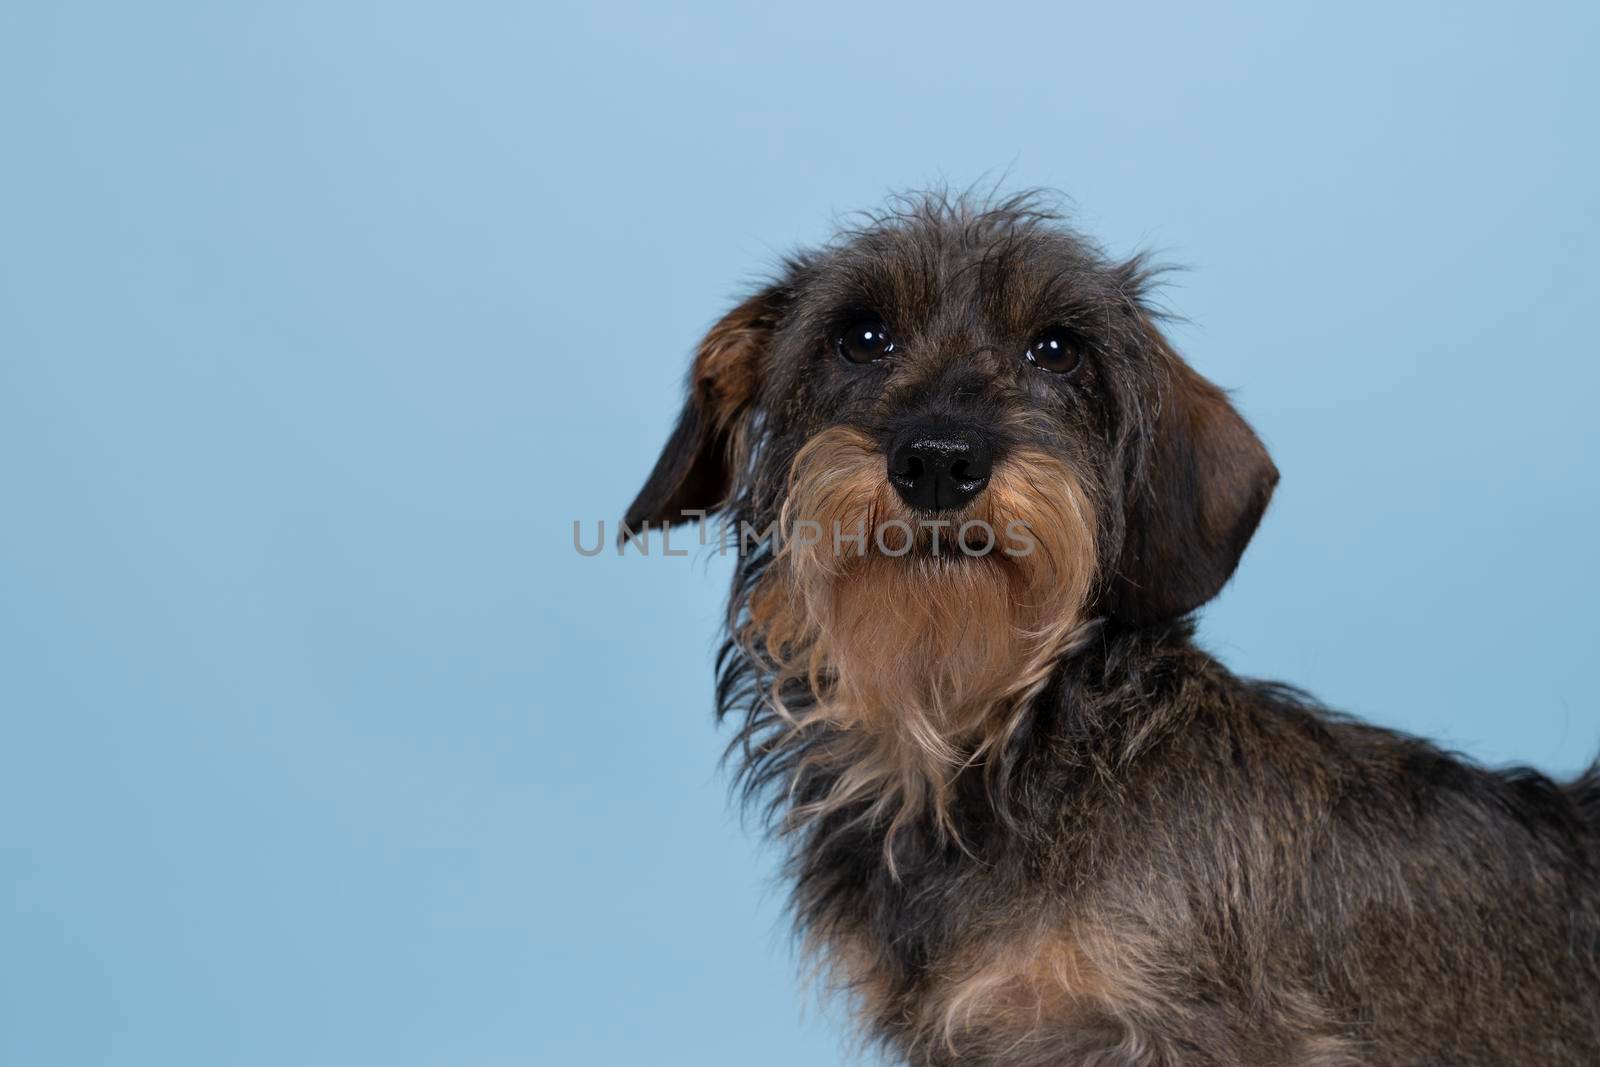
(972, 438)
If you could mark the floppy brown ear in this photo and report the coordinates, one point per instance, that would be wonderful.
(693, 471)
(1206, 481)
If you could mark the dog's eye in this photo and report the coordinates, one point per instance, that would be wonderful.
(1057, 349)
(865, 341)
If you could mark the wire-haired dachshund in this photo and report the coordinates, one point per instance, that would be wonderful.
(977, 496)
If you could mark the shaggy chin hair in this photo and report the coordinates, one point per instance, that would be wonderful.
(891, 666)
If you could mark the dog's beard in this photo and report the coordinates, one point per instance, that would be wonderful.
(917, 664)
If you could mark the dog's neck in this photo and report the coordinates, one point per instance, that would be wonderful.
(1108, 695)
(892, 725)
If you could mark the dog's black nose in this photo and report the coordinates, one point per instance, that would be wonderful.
(939, 469)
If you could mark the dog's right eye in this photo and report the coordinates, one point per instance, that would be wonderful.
(1056, 350)
(864, 341)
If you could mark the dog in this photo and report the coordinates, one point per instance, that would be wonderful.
(978, 498)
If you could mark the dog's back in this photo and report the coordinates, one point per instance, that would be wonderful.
(1456, 909)
(1585, 794)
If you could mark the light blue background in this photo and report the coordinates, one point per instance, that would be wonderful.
(321, 322)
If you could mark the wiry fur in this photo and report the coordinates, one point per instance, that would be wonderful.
(1030, 822)
(911, 668)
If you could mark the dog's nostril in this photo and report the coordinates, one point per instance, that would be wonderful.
(939, 468)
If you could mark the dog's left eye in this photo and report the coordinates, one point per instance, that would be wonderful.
(864, 341)
(1057, 349)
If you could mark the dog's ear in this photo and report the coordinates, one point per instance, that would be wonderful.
(693, 472)
(1205, 482)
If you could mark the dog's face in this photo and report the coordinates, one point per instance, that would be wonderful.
(986, 441)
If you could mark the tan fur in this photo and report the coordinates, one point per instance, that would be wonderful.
(726, 369)
(921, 663)
(1010, 985)
(1002, 986)
(1047, 971)
(845, 963)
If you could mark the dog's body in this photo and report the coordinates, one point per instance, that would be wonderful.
(1031, 822)
(1197, 869)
